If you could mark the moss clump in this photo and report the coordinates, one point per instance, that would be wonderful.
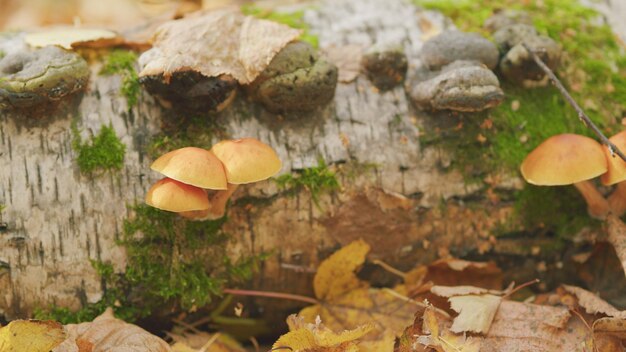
(122, 62)
(172, 264)
(291, 19)
(316, 180)
(173, 261)
(594, 70)
(114, 296)
(104, 151)
(592, 66)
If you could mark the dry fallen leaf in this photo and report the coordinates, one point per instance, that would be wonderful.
(347, 302)
(31, 336)
(443, 340)
(215, 43)
(318, 338)
(475, 312)
(107, 333)
(71, 37)
(594, 304)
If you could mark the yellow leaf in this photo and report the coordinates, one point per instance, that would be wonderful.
(347, 302)
(316, 337)
(335, 275)
(31, 336)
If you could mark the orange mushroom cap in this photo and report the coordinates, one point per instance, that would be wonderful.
(564, 159)
(171, 195)
(194, 166)
(247, 160)
(616, 166)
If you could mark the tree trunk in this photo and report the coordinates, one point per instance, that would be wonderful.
(59, 219)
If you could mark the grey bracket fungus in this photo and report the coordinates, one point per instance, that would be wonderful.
(34, 77)
(516, 63)
(385, 68)
(461, 86)
(295, 80)
(450, 46)
(192, 91)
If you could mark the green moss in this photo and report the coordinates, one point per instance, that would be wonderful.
(291, 19)
(176, 261)
(172, 264)
(316, 180)
(593, 68)
(122, 62)
(104, 151)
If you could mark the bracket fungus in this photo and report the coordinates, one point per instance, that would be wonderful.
(460, 86)
(199, 59)
(31, 78)
(295, 80)
(616, 174)
(385, 68)
(192, 172)
(569, 159)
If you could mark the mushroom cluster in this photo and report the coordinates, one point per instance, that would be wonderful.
(191, 173)
(570, 159)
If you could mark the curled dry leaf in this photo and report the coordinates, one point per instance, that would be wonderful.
(71, 37)
(214, 43)
(594, 304)
(347, 302)
(31, 336)
(106, 333)
(318, 338)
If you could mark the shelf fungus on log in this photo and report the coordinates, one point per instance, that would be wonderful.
(450, 46)
(516, 63)
(38, 77)
(196, 62)
(385, 68)
(296, 80)
(460, 86)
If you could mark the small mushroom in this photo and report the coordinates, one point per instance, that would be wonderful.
(31, 78)
(245, 160)
(460, 86)
(191, 91)
(295, 80)
(616, 174)
(171, 195)
(385, 69)
(194, 166)
(516, 63)
(450, 46)
(569, 159)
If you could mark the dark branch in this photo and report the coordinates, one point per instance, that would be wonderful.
(581, 114)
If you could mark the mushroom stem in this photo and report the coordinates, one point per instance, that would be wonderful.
(617, 199)
(219, 201)
(597, 205)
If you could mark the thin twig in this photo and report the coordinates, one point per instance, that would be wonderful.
(270, 294)
(581, 114)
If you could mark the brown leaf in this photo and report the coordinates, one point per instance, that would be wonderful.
(106, 333)
(454, 272)
(216, 43)
(594, 304)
